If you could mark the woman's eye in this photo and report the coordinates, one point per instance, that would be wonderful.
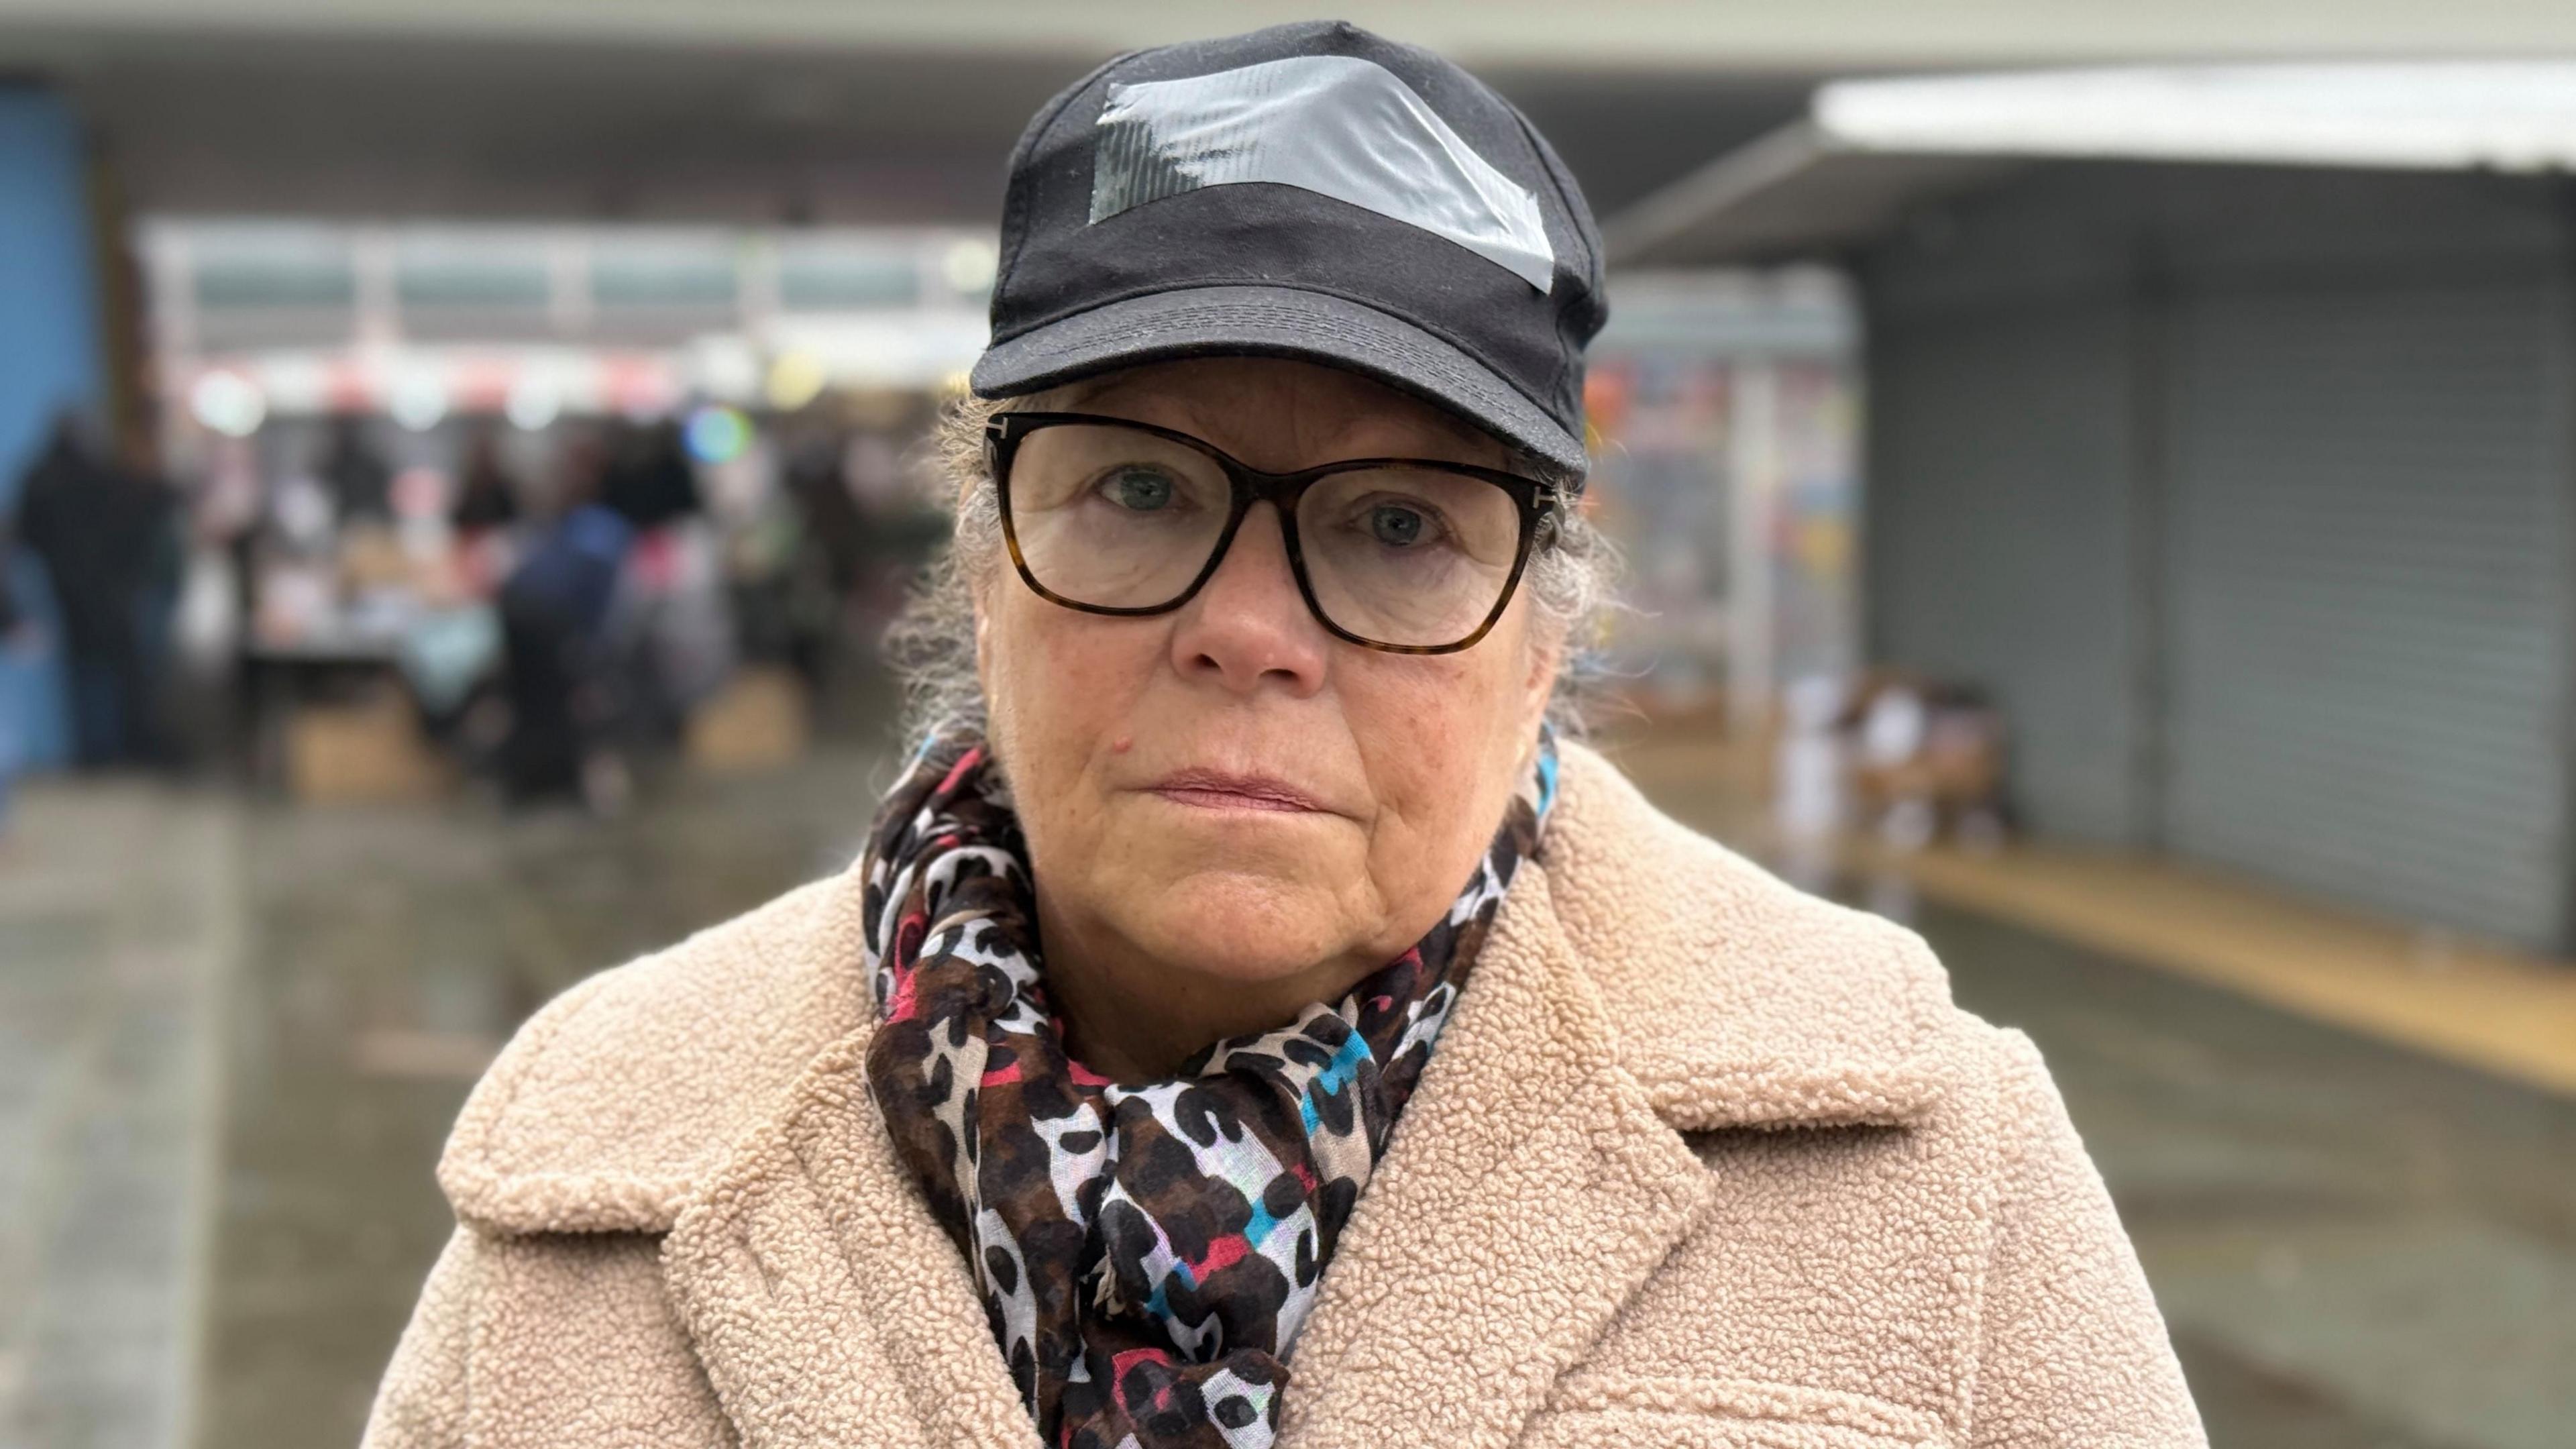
(1397, 526)
(1142, 490)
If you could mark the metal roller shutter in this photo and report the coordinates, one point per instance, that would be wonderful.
(2368, 539)
(1998, 537)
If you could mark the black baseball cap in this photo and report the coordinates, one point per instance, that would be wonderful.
(1308, 191)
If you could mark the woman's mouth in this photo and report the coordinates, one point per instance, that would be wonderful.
(1214, 790)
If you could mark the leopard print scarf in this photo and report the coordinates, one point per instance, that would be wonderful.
(1147, 1253)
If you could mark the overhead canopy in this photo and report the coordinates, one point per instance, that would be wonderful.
(1868, 150)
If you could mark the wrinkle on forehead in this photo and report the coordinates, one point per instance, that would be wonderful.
(1280, 415)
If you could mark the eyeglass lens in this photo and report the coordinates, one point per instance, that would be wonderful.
(1119, 518)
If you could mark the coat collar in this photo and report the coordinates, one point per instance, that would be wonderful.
(1733, 999)
(1639, 984)
(1724, 998)
(824, 1299)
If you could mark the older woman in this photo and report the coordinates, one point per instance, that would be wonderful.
(1251, 1021)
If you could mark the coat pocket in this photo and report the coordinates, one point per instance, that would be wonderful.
(1598, 1411)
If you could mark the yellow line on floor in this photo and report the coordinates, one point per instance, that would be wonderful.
(2465, 1000)
(2483, 1005)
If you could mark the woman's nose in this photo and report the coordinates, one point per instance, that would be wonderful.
(1249, 627)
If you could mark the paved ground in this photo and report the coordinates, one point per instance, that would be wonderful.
(2354, 1248)
(393, 952)
(115, 943)
(231, 1039)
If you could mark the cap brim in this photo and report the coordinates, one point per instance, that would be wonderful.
(1274, 322)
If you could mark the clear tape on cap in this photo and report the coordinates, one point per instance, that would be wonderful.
(1336, 125)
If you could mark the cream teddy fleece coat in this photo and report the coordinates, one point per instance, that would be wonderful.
(1700, 1161)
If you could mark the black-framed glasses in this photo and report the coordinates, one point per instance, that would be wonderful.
(1408, 555)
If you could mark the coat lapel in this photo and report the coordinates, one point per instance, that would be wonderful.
(1529, 1190)
(827, 1304)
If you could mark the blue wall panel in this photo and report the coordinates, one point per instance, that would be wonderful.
(49, 358)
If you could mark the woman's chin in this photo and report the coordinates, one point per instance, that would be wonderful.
(1245, 925)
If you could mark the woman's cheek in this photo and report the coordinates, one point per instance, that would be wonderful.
(1075, 681)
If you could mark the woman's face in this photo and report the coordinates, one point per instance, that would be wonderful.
(1228, 789)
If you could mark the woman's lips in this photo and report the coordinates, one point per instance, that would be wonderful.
(1212, 790)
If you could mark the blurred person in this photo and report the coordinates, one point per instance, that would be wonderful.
(670, 637)
(485, 518)
(649, 479)
(108, 533)
(487, 497)
(554, 615)
(799, 611)
(1254, 1017)
(359, 478)
(671, 631)
(832, 522)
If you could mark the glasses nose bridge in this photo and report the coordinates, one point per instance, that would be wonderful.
(1282, 492)
(1279, 490)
